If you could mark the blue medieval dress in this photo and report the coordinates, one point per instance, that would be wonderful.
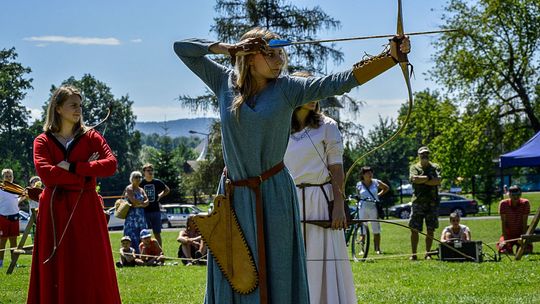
(254, 142)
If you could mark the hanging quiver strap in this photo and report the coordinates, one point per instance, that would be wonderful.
(221, 231)
(371, 67)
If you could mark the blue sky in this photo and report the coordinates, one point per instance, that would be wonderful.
(128, 45)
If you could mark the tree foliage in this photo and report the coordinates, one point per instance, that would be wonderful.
(168, 170)
(118, 130)
(16, 138)
(285, 19)
(494, 56)
(206, 177)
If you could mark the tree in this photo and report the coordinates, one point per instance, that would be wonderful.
(15, 137)
(494, 56)
(429, 118)
(288, 21)
(207, 175)
(168, 170)
(13, 87)
(118, 130)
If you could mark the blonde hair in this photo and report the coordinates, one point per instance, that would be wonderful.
(53, 122)
(133, 174)
(244, 83)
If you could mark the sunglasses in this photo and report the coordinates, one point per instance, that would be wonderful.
(138, 176)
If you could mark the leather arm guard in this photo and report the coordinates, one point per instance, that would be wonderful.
(372, 67)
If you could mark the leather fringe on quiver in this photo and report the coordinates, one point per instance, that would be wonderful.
(373, 66)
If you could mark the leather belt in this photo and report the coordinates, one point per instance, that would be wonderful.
(254, 183)
(303, 186)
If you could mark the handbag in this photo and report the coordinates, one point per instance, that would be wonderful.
(121, 207)
(378, 204)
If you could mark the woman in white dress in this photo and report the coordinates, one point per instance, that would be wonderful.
(314, 158)
(369, 190)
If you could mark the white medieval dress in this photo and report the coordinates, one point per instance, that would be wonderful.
(309, 153)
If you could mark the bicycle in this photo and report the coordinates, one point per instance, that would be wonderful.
(353, 234)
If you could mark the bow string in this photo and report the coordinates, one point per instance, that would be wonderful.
(404, 65)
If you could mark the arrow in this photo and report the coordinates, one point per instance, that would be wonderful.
(281, 43)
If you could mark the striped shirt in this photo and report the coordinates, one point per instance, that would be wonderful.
(514, 216)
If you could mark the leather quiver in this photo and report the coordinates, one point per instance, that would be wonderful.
(224, 237)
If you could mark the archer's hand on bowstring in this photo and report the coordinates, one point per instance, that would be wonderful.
(249, 46)
(242, 48)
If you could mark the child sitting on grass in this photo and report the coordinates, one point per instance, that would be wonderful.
(127, 254)
(151, 253)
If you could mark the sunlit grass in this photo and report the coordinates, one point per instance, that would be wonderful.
(390, 278)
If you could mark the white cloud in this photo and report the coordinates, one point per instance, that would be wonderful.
(74, 40)
(137, 40)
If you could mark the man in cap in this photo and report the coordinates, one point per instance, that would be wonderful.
(514, 212)
(425, 177)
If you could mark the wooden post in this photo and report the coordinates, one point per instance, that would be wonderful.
(20, 247)
(529, 237)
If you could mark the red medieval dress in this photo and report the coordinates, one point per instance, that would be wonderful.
(81, 268)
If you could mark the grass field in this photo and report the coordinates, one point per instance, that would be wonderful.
(389, 278)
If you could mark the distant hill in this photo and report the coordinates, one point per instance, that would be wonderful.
(176, 128)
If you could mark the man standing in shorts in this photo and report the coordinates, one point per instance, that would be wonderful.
(9, 216)
(425, 177)
(155, 190)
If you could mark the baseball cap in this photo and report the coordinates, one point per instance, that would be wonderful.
(125, 238)
(423, 149)
(145, 233)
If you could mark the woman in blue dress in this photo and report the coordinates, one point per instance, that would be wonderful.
(256, 102)
(135, 220)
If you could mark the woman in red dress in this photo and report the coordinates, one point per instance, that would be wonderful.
(72, 259)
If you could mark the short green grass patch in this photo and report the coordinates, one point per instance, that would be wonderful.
(388, 278)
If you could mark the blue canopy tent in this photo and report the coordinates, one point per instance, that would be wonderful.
(527, 155)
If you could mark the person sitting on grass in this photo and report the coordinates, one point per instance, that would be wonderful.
(151, 253)
(455, 231)
(127, 254)
(192, 245)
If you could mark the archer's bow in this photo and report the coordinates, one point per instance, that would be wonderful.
(403, 63)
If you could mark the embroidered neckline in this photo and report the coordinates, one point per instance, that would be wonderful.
(301, 136)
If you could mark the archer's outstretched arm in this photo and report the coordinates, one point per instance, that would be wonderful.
(370, 68)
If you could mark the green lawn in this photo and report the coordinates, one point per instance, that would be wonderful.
(389, 278)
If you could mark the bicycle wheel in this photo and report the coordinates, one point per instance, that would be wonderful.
(359, 245)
